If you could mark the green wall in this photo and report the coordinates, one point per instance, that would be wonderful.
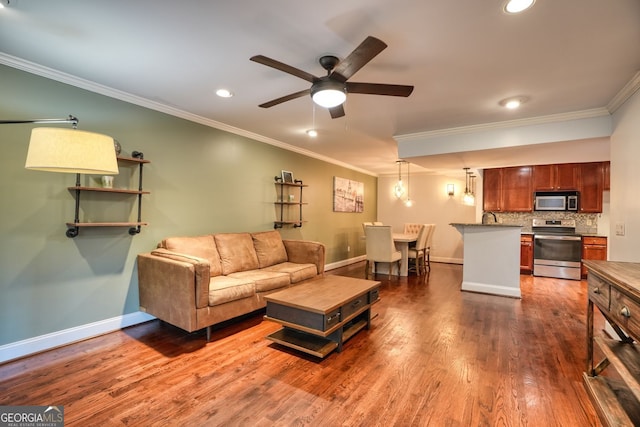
(202, 180)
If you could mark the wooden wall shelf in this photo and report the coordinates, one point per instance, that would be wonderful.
(283, 203)
(73, 228)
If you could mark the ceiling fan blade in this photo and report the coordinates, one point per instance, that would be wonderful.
(379, 89)
(260, 59)
(357, 59)
(337, 111)
(286, 98)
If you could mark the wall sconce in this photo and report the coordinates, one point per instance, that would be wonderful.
(450, 190)
(69, 150)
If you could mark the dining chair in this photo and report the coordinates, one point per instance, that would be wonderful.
(377, 223)
(417, 254)
(380, 248)
(366, 224)
(412, 228)
(432, 229)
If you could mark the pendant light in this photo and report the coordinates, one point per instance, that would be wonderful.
(469, 197)
(409, 202)
(398, 189)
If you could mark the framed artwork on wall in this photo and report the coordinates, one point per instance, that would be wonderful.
(287, 177)
(348, 195)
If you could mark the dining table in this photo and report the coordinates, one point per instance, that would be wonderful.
(402, 241)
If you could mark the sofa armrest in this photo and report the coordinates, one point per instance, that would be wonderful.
(173, 285)
(306, 252)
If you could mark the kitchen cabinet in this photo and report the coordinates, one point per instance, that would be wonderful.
(556, 177)
(590, 185)
(593, 248)
(492, 190)
(511, 189)
(508, 189)
(526, 253)
(517, 190)
(606, 176)
(613, 382)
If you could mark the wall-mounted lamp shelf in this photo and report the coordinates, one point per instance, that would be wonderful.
(134, 227)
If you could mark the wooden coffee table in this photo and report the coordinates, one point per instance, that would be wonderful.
(319, 316)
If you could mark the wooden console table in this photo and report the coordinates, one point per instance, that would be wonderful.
(318, 316)
(614, 287)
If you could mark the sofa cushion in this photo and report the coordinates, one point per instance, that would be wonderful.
(236, 252)
(297, 272)
(263, 279)
(269, 248)
(200, 246)
(226, 289)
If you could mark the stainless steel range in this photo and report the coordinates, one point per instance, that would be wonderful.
(557, 249)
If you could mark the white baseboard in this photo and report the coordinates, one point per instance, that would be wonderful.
(488, 288)
(56, 339)
(348, 261)
(344, 262)
(447, 260)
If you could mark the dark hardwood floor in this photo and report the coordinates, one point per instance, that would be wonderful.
(435, 356)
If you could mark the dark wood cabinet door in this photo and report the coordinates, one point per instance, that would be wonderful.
(517, 189)
(606, 174)
(544, 177)
(555, 177)
(567, 176)
(591, 183)
(593, 248)
(526, 253)
(492, 190)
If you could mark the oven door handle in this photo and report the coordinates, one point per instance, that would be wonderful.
(548, 237)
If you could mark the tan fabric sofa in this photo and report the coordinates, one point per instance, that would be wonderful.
(196, 282)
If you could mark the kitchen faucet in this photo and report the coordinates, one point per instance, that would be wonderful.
(484, 217)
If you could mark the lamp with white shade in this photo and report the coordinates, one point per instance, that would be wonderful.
(69, 150)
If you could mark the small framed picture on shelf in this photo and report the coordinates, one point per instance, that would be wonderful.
(287, 177)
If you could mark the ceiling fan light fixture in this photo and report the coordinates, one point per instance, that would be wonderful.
(328, 93)
(517, 6)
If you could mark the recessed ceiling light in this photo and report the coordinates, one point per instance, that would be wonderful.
(513, 102)
(224, 93)
(312, 133)
(517, 6)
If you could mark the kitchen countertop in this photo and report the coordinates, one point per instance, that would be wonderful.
(578, 233)
(479, 224)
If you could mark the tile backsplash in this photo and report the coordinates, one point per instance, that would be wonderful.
(585, 223)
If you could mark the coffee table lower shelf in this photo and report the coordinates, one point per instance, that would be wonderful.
(314, 344)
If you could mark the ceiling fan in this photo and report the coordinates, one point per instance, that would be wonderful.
(331, 90)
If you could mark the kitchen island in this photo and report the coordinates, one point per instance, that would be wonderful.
(491, 258)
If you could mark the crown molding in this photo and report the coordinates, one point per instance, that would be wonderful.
(574, 115)
(625, 93)
(59, 76)
(616, 102)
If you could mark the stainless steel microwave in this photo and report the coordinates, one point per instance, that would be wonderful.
(556, 201)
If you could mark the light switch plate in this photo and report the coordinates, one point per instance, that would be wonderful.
(619, 228)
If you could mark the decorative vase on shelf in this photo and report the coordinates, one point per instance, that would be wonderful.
(117, 147)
